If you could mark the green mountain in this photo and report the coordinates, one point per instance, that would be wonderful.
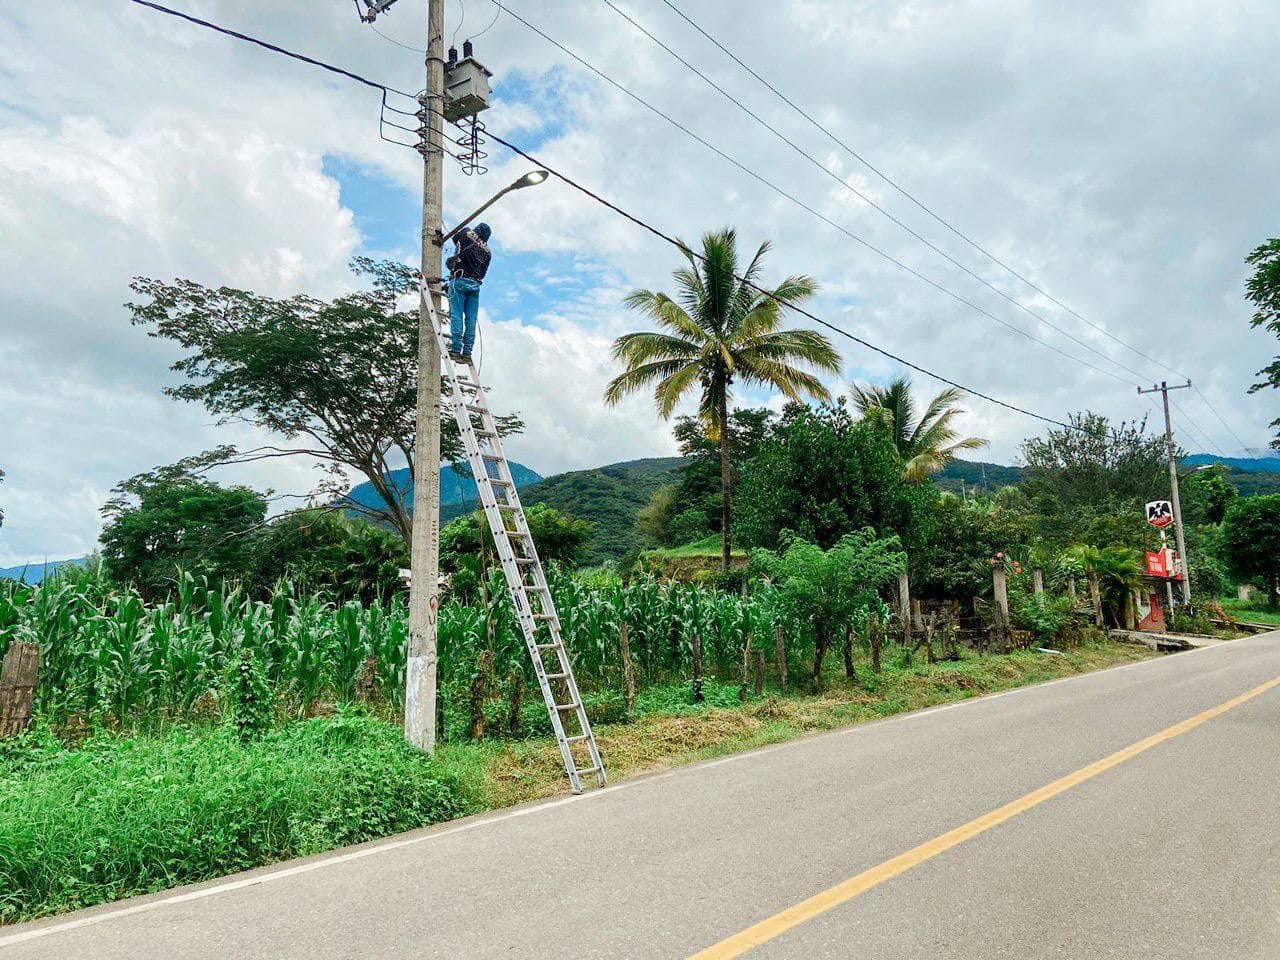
(960, 475)
(609, 497)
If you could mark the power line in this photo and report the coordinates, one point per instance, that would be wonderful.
(862, 196)
(937, 217)
(629, 216)
(1243, 446)
(645, 225)
(804, 206)
(271, 46)
(902, 190)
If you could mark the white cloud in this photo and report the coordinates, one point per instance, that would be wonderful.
(1119, 155)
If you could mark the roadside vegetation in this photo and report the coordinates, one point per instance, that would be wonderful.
(222, 688)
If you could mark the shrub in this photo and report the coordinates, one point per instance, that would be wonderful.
(129, 816)
(1045, 617)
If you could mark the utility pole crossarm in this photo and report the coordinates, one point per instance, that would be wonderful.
(1163, 389)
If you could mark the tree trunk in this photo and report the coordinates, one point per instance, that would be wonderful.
(875, 643)
(725, 482)
(848, 654)
(780, 651)
(757, 680)
(819, 654)
(746, 669)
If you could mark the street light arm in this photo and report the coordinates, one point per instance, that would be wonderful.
(476, 212)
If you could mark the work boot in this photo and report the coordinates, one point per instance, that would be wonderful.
(457, 356)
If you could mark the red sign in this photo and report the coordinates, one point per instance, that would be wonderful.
(1157, 564)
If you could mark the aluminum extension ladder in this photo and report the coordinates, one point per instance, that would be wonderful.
(525, 577)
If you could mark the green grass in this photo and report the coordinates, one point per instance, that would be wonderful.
(1254, 611)
(125, 815)
(129, 815)
(709, 547)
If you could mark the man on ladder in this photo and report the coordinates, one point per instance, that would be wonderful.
(467, 267)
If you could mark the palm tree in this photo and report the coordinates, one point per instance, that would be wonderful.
(926, 445)
(718, 330)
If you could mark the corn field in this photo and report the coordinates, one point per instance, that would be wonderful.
(107, 653)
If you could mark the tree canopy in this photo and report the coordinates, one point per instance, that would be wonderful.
(822, 474)
(165, 521)
(1251, 539)
(926, 444)
(335, 379)
(720, 329)
(1263, 291)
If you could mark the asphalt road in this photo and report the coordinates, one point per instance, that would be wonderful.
(1171, 851)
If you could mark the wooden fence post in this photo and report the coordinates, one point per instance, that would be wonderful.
(746, 669)
(1095, 596)
(18, 687)
(1071, 590)
(1037, 585)
(780, 651)
(904, 607)
(697, 669)
(1000, 587)
(758, 680)
(628, 670)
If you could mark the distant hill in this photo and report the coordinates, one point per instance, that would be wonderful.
(609, 497)
(35, 572)
(456, 485)
(972, 475)
(1241, 464)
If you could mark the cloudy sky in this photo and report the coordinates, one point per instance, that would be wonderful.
(1120, 156)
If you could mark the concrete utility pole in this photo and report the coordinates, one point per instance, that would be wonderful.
(1163, 389)
(424, 551)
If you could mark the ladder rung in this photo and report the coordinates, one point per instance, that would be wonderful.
(496, 457)
(526, 562)
(544, 616)
(499, 482)
(578, 739)
(582, 770)
(547, 646)
(477, 408)
(555, 676)
(566, 706)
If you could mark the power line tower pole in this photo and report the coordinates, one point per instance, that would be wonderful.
(1163, 389)
(424, 550)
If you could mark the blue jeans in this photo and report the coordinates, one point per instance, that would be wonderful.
(464, 305)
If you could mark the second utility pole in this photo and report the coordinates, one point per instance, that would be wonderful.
(1163, 390)
(424, 550)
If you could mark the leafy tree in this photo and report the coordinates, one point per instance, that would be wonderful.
(718, 331)
(823, 474)
(1251, 540)
(653, 522)
(1206, 494)
(324, 551)
(560, 538)
(161, 522)
(823, 590)
(925, 445)
(700, 476)
(1263, 292)
(966, 535)
(1088, 481)
(336, 379)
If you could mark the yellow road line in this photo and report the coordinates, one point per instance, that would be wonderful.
(843, 892)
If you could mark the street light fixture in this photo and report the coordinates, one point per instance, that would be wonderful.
(530, 179)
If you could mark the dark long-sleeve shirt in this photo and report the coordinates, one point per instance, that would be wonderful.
(471, 260)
